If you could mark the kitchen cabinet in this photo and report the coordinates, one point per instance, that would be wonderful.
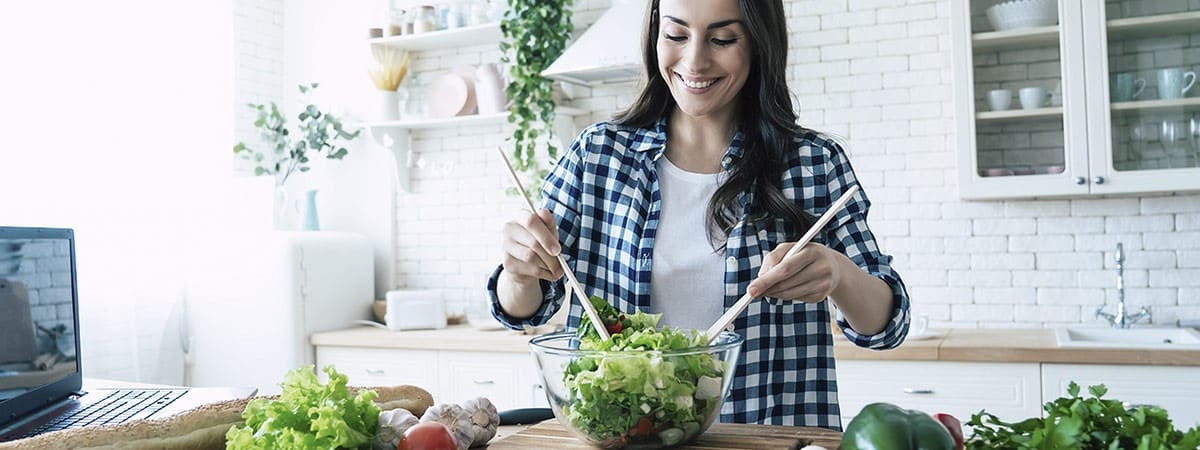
(396, 135)
(1010, 391)
(1171, 388)
(507, 379)
(1084, 132)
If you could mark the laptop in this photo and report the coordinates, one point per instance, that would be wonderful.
(42, 388)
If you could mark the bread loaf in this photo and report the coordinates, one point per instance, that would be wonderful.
(201, 428)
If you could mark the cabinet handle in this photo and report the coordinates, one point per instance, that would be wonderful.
(484, 382)
(375, 371)
(1080, 180)
(916, 391)
(1098, 180)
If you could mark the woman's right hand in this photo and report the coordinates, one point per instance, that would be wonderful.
(531, 247)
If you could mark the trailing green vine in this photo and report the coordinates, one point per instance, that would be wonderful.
(535, 34)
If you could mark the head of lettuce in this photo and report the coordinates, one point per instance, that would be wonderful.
(308, 414)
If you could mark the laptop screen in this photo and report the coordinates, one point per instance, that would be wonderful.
(38, 326)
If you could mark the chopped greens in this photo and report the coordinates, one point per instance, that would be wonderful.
(643, 395)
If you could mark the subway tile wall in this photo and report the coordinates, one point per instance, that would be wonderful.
(876, 74)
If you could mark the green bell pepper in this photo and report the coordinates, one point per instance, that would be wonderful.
(883, 426)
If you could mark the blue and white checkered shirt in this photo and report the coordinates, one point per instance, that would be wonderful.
(604, 194)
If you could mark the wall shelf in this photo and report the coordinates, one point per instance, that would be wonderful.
(1156, 25)
(1142, 106)
(1019, 114)
(1024, 37)
(443, 39)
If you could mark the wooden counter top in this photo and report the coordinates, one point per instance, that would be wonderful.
(1007, 345)
(1012, 345)
(721, 436)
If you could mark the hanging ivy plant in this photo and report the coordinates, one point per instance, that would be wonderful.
(535, 34)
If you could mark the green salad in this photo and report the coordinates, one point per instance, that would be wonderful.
(308, 414)
(643, 396)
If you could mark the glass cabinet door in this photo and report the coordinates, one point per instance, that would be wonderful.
(1152, 110)
(1023, 104)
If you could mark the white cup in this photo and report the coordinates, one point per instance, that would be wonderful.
(1000, 99)
(1033, 97)
(920, 326)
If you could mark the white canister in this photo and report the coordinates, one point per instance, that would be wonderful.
(489, 89)
(415, 309)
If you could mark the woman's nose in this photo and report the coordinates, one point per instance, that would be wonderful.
(698, 57)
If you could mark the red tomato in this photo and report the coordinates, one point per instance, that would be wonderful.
(428, 436)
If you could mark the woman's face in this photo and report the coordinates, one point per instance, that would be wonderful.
(703, 53)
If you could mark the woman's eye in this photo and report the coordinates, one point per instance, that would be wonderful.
(674, 38)
(724, 42)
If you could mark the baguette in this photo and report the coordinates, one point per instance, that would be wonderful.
(201, 428)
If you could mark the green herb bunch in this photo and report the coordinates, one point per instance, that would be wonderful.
(535, 34)
(319, 133)
(1084, 423)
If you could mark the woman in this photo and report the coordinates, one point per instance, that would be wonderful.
(713, 126)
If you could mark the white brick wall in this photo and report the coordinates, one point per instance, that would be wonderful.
(877, 73)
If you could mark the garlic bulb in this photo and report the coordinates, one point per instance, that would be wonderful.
(456, 419)
(392, 424)
(484, 419)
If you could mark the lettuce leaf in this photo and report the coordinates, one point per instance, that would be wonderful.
(308, 414)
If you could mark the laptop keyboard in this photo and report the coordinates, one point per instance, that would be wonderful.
(119, 406)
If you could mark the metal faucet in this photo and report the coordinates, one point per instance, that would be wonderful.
(1121, 319)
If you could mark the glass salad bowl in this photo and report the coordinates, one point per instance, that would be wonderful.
(636, 399)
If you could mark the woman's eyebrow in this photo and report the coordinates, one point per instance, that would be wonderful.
(711, 26)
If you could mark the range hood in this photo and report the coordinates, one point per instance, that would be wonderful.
(609, 51)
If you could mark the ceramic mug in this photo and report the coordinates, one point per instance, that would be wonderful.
(1171, 85)
(1123, 87)
(1000, 99)
(920, 326)
(1033, 97)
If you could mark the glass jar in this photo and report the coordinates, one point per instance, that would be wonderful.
(426, 20)
(396, 23)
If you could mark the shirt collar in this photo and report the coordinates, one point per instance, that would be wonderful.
(654, 141)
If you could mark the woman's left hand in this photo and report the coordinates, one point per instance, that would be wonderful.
(810, 275)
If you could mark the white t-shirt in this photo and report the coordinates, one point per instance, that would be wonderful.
(687, 279)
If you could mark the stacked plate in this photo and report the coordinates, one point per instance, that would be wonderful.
(1014, 14)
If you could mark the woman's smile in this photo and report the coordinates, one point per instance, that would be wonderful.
(697, 85)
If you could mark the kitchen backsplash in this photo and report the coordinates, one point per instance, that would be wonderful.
(877, 74)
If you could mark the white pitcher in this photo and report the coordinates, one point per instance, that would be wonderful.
(489, 89)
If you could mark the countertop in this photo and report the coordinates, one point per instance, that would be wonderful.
(967, 345)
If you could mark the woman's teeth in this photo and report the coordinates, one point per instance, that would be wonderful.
(696, 84)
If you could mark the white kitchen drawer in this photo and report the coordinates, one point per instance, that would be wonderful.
(506, 379)
(1174, 388)
(383, 367)
(1008, 390)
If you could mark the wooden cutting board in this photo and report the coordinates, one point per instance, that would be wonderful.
(721, 436)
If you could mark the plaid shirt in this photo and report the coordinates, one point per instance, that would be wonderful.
(604, 194)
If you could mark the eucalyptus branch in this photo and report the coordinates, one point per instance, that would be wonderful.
(319, 133)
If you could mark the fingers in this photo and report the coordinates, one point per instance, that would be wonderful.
(530, 245)
(773, 273)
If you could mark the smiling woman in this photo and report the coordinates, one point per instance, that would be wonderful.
(714, 125)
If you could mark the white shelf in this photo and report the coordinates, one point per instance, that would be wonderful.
(1157, 25)
(469, 120)
(1024, 37)
(1019, 114)
(444, 39)
(1185, 104)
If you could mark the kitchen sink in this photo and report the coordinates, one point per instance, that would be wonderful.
(1148, 338)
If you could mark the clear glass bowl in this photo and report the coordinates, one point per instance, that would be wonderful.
(635, 399)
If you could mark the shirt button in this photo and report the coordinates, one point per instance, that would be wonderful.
(731, 261)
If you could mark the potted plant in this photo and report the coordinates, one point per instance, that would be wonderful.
(289, 152)
(535, 34)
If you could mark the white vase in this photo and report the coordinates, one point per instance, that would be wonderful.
(489, 89)
(389, 105)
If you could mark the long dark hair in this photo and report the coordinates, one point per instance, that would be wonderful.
(768, 121)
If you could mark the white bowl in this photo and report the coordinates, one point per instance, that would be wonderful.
(1014, 14)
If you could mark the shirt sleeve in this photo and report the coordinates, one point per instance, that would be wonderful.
(561, 192)
(849, 234)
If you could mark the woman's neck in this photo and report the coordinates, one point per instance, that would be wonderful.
(697, 144)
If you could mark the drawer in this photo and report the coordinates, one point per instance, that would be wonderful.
(1169, 387)
(504, 378)
(382, 367)
(1010, 391)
